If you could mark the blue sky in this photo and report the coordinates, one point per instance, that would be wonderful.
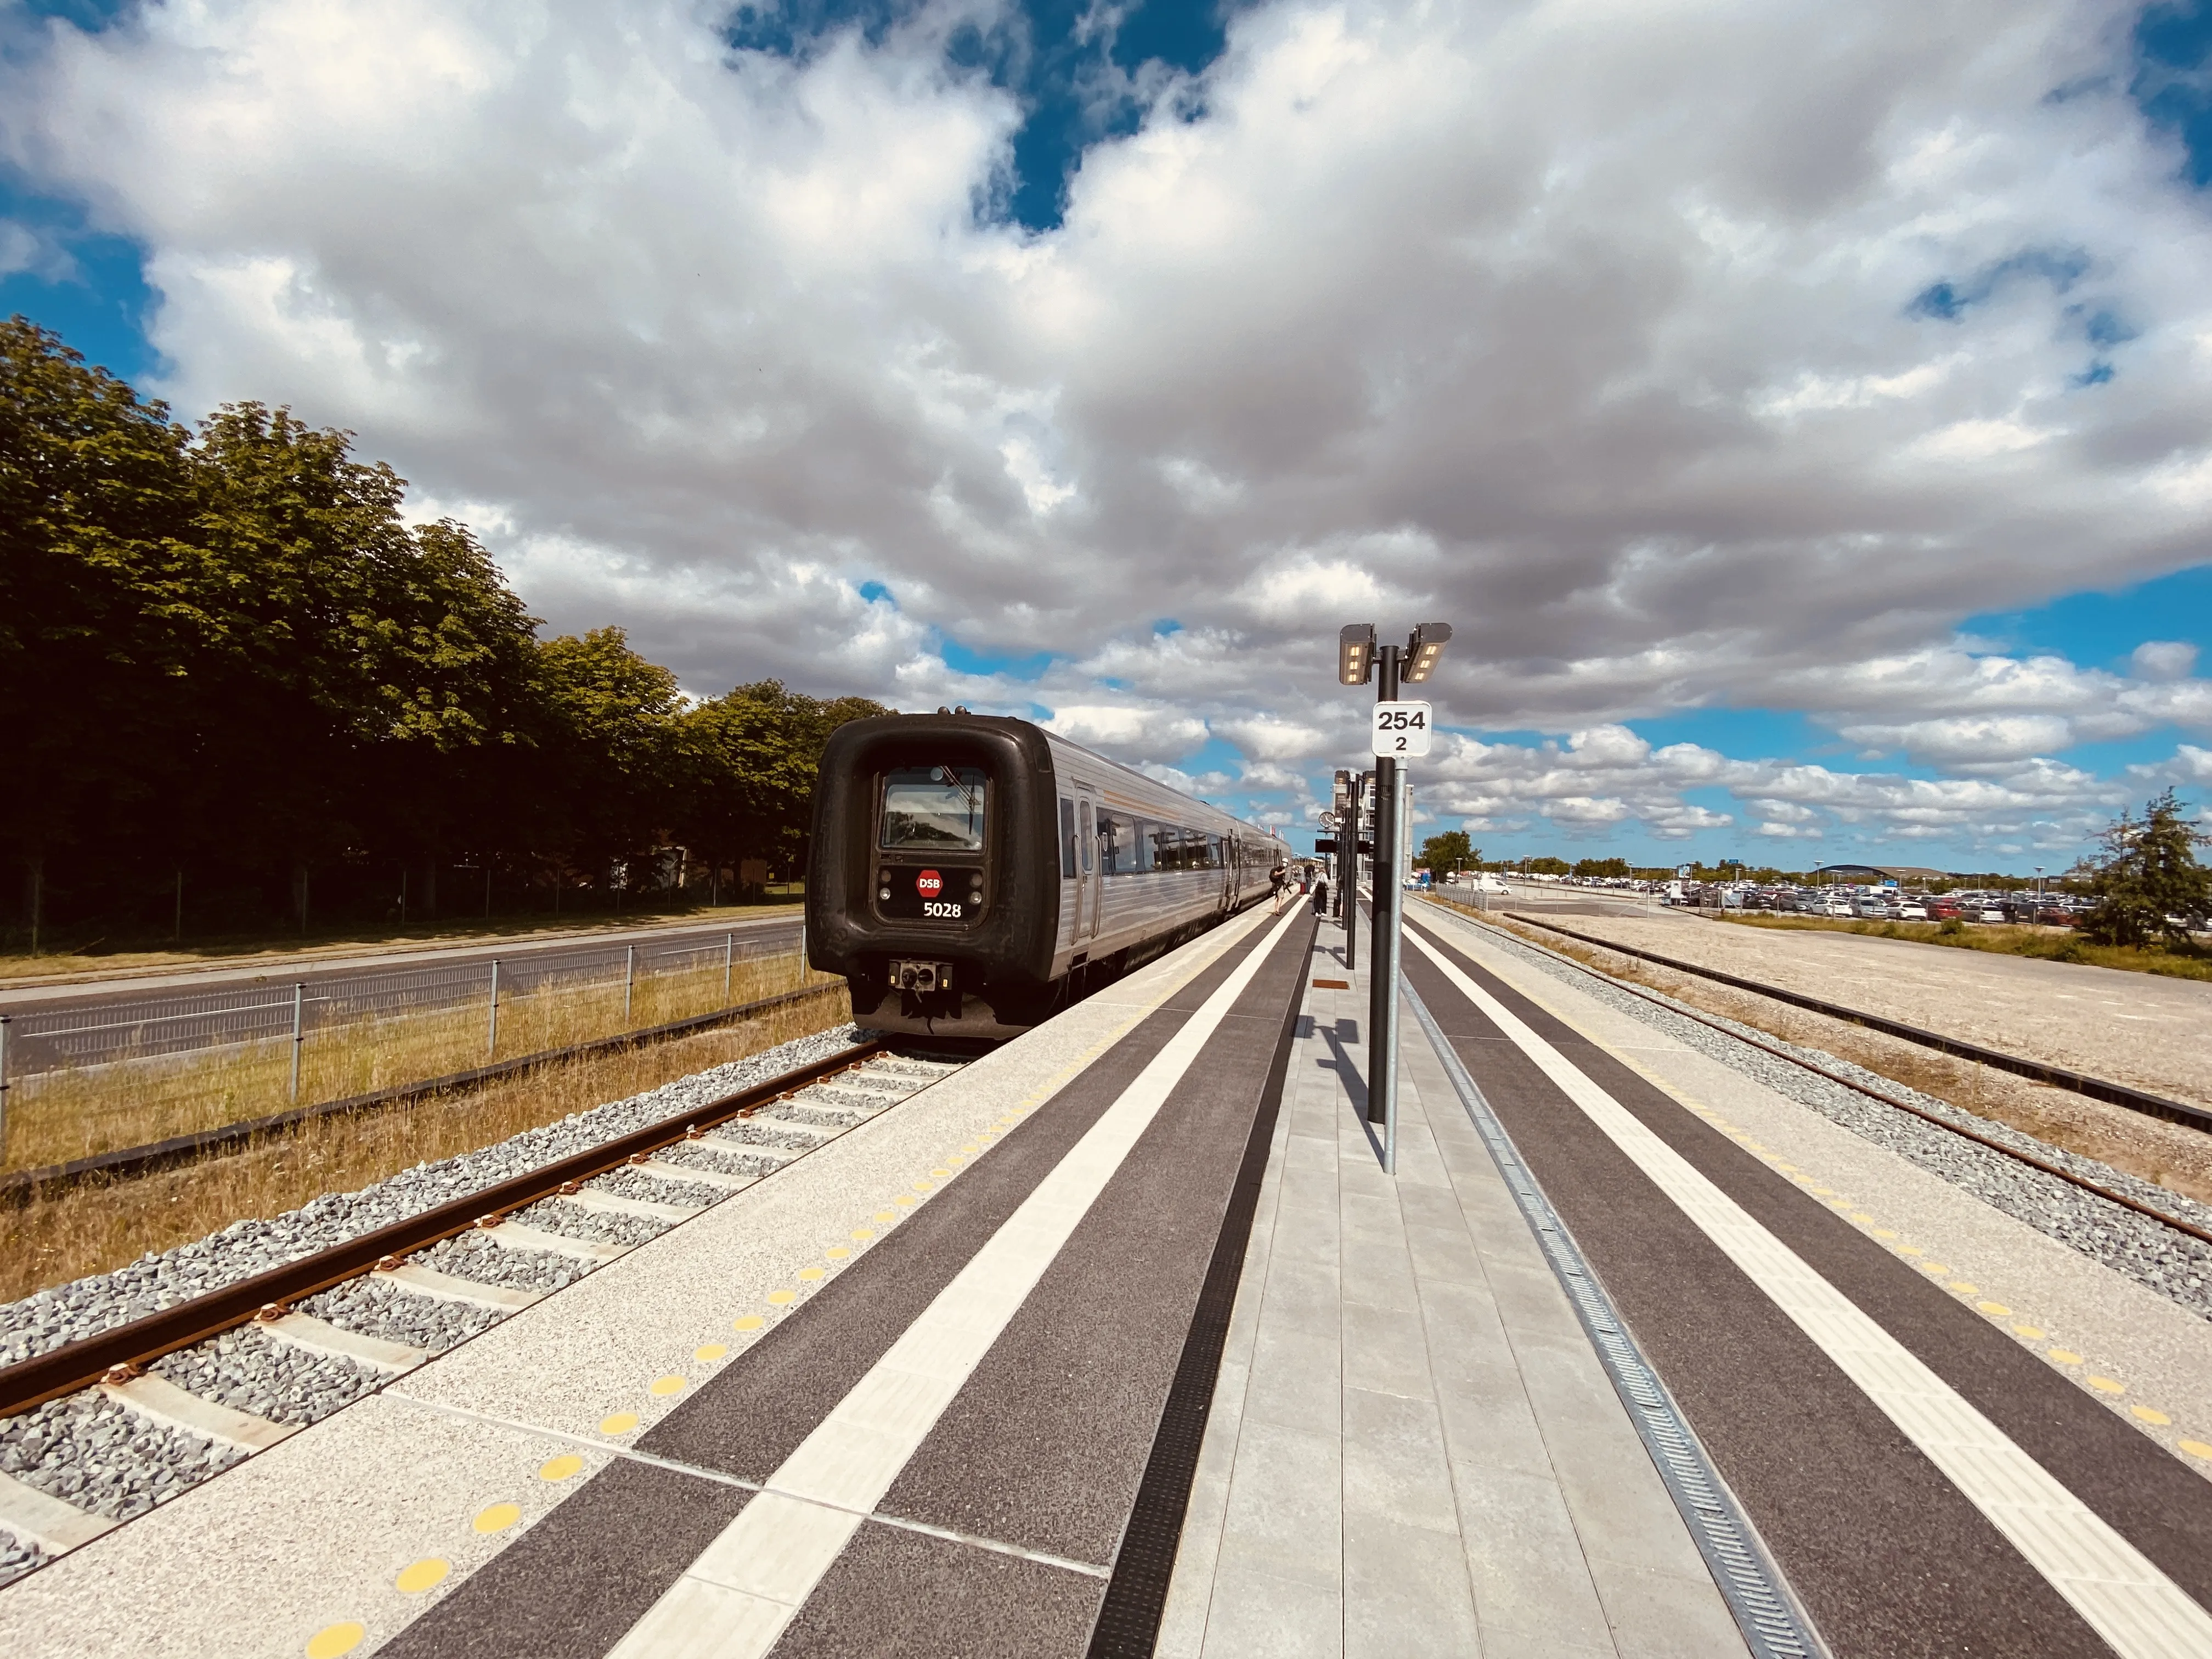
(1094, 363)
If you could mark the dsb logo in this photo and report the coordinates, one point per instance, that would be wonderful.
(929, 884)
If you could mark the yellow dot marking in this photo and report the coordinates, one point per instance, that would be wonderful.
(747, 1323)
(2066, 1356)
(887, 1216)
(1936, 1268)
(2033, 1333)
(2147, 1414)
(922, 1186)
(664, 1386)
(1823, 1192)
(426, 1574)
(942, 1175)
(971, 1149)
(2106, 1385)
(620, 1423)
(331, 1640)
(561, 1467)
(837, 1253)
(1863, 1220)
(904, 1198)
(498, 1518)
(706, 1353)
(2194, 1448)
(862, 1235)
(1885, 1232)
(1994, 1310)
(1963, 1287)
(782, 1299)
(1905, 1250)
(810, 1274)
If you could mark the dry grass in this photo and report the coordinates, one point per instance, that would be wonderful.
(59, 1115)
(98, 957)
(2170, 1155)
(2051, 944)
(99, 1226)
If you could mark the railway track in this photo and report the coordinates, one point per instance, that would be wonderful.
(97, 1430)
(2024, 1067)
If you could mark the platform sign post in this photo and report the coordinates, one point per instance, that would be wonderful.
(1392, 734)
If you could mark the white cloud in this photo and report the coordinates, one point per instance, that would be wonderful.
(1599, 342)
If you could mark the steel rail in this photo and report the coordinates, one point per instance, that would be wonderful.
(2058, 1076)
(18, 1186)
(77, 1365)
(2029, 1159)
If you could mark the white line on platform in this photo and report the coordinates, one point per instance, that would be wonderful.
(733, 1601)
(2119, 1590)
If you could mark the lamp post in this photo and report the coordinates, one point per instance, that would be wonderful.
(1399, 729)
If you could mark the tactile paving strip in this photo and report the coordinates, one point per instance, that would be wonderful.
(1773, 1626)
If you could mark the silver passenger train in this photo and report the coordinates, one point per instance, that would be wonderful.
(970, 874)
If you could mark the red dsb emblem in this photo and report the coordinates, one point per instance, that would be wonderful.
(929, 884)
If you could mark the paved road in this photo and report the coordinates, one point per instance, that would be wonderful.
(81, 1024)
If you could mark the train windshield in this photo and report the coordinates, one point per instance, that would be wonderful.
(938, 809)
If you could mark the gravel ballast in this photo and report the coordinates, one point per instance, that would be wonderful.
(706, 1155)
(557, 1215)
(652, 1190)
(372, 1306)
(17, 1557)
(250, 1371)
(89, 1451)
(2172, 1264)
(472, 1255)
(51, 1318)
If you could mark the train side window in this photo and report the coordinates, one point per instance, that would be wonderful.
(1122, 838)
(1142, 845)
(1214, 852)
(1086, 836)
(1066, 839)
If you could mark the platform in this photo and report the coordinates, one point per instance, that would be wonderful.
(1414, 1448)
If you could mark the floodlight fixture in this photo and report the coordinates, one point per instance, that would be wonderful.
(1355, 654)
(1422, 651)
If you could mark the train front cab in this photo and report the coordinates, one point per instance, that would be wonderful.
(934, 886)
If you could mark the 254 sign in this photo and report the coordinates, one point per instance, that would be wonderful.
(1400, 730)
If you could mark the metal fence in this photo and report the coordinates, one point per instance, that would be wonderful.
(34, 1044)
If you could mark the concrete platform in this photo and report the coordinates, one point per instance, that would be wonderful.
(661, 1390)
(1413, 1447)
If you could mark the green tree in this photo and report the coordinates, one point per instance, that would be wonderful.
(2148, 880)
(1545, 866)
(95, 505)
(1449, 851)
(612, 754)
(751, 756)
(1601, 868)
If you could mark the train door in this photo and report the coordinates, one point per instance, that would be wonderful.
(1088, 885)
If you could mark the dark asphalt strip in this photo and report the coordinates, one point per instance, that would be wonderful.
(1887, 1556)
(1046, 1446)
(2158, 1505)
(571, 1592)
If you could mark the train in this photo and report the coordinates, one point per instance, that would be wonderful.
(973, 873)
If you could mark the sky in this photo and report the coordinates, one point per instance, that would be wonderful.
(1802, 414)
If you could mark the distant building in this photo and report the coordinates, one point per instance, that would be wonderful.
(1896, 872)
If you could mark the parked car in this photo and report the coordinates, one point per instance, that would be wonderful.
(1908, 910)
(1870, 908)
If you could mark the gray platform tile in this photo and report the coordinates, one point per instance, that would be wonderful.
(1574, 1398)
(1384, 1350)
(1524, 1560)
(1464, 1318)
(1253, 1614)
(1443, 1255)
(1531, 1304)
(1537, 1644)
(1303, 1295)
(1296, 1380)
(1488, 1423)
(1308, 1235)
(1373, 1215)
(1312, 1154)
(1285, 1506)
(1378, 1273)
(1657, 1615)
(1406, 1593)
(1311, 1191)
(1394, 1464)
(1432, 1206)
